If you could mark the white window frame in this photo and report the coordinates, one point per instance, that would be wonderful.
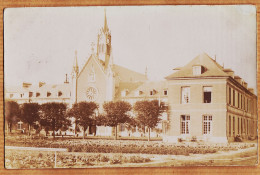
(185, 95)
(197, 70)
(19, 125)
(185, 124)
(207, 89)
(207, 124)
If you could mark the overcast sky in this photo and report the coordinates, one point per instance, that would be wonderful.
(40, 43)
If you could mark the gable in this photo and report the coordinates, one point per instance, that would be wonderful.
(210, 68)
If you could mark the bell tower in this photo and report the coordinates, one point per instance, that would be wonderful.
(104, 43)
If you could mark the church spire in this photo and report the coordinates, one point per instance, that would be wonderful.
(75, 65)
(105, 22)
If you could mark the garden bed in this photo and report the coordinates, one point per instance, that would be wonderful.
(124, 146)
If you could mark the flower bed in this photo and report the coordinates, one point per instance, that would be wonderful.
(36, 159)
(123, 146)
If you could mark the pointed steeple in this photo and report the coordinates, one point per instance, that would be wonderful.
(145, 73)
(105, 23)
(75, 65)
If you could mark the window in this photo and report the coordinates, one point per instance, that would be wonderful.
(207, 94)
(165, 92)
(207, 127)
(153, 92)
(185, 123)
(30, 94)
(234, 124)
(197, 70)
(37, 94)
(19, 125)
(238, 99)
(140, 92)
(185, 95)
(234, 97)
(48, 94)
(229, 124)
(59, 93)
(124, 93)
(241, 105)
(229, 95)
(238, 131)
(11, 95)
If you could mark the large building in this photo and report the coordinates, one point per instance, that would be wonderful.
(205, 100)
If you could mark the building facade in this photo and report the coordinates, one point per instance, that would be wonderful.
(205, 101)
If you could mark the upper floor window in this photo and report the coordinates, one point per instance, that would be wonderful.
(11, 95)
(207, 94)
(197, 70)
(185, 95)
(229, 95)
(165, 92)
(234, 97)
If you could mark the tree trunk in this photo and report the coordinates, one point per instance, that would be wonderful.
(29, 128)
(116, 133)
(149, 130)
(84, 129)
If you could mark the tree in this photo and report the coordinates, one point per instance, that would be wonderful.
(83, 112)
(12, 113)
(53, 116)
(116, 113)
(148, 113)
(30, 114)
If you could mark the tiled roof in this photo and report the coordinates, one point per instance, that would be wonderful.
(65, 89)
(212, 68)
(145, 87)
(127, 75)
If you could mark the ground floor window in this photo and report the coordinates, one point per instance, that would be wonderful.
(19, 125)
(234, 124)
(207, 126)
(229, 124)
(185, 124)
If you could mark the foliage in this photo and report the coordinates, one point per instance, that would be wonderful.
(116, 113)
(12, 113)
(30, 114)
(148, 113)
(83, 112)
(53, 116)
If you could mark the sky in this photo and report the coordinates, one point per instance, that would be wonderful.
(40, 43)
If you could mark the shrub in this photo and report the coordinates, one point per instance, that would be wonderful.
(238, 138)
(194, 139)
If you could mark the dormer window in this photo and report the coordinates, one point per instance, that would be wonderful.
(197, 70)
(38, 94)
(48, 94)
(153, 92)
(30, 94)
(124, 93)
(59, 93)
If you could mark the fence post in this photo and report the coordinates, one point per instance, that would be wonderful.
(55, 159)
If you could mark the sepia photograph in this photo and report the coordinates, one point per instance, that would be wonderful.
(130, 86)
